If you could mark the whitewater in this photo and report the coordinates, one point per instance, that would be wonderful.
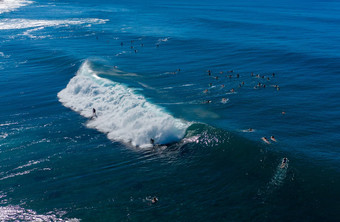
(121, 113)
(12, 5)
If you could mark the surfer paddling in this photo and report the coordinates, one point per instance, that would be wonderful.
(264, 139)
(273, 138)
(284, 162)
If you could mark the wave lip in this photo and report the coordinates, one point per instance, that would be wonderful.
(121, 114)
(11, 5)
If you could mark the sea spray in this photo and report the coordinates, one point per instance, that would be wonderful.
(121, 113)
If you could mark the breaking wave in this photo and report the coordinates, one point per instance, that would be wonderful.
(121, 113)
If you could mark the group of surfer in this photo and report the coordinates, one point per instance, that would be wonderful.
(272, 138)
(260, 84)
(230, 75)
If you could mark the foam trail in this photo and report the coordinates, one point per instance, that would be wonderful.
(9, 24)
(121, 114)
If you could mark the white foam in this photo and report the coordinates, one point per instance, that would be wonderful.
(122, 114)
(8, 24)
(162, 40)
(280, 174)
(28, 33)
(11, 5)
(17, 213)
(4, 56)
(18, 174)
(4, 135)
(30, 163)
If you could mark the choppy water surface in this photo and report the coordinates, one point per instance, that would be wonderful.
(209, 82)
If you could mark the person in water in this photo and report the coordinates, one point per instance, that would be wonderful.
(152, 141)
(284, 162)
(265, 140)
(154, 200)
(273, 138)
(94, 114)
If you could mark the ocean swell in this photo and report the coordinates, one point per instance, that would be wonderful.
(121, 113)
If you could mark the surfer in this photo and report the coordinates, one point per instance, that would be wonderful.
(284, 161)
(154, 200)
(273, 138)
(265, 140)
(94, 114)
(152, 141)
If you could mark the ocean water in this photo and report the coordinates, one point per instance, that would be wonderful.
(194, 76)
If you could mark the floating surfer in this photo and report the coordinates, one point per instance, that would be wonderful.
(154, 200)
(250, 130)
(224, 100)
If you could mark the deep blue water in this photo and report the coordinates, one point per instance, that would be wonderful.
(144, 66)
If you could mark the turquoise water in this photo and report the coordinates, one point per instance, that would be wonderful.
(144, 67)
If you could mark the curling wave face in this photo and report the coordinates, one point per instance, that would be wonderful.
(121, 114)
